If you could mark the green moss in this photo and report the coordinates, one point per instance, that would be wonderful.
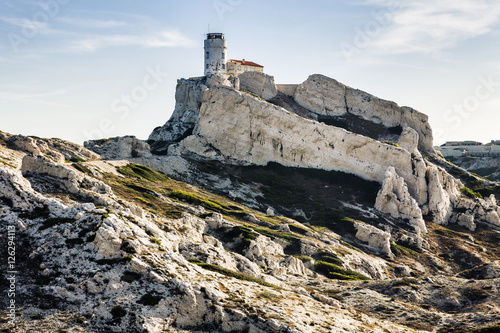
(231, 273)
(392, 144)
(490, 329)
(155, 240)
(470, 193)
(148, 299)
(333, 271)
(8, 164)
(196, 199)
(406, 281)
(298, 228)
(82, 169)
(77, 159)
(399, 250)
(328, 257)
(141, 172)
(302, 257)
(55, 221)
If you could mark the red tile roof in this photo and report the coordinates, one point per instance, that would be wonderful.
(245, 62)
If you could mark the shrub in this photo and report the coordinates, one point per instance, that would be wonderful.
(77, 159)
(490, 329)
(196, 199)
(141, 172)
(470, 193)
(333, 271)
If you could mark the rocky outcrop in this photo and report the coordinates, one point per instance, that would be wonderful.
(55, 149)
(329, 97)
(257, 132)
(395, 199)
(258, 83)
(119, 148)
(376, 238)
(70, 180)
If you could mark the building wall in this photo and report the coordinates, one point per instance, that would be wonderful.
(215, 54)
(236, 68)
(468, 148)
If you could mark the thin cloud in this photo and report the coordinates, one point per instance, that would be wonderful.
(430, 26)
(166, 38)
(91, 23)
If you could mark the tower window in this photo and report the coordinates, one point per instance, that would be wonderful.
(223, 56)
(208, 55)
(208, 66)
(245, 67)
(223, 66)
(231, 67)
(239, 68)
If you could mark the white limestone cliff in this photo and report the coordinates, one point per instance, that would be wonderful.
(327, 96)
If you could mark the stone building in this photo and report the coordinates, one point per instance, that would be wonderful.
(215, 53)
(470, 148)
(236, 67)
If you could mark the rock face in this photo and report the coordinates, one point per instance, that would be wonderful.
(329, 97)
(394, 199)
(376, 238)
(119, 148)
(258, 83)
(257, 132)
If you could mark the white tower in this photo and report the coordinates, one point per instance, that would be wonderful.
(215, 53)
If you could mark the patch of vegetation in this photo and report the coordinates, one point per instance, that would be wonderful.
(333, 271)
(130, 276)
(8, 164)
(392, 144)
(77, 159)
(303, 258)
(298, 228)
(82, 169)
(449, 232)
(118, 312)
(55, 221)
(141, 172)
(148, 299)
(247, 234)
(36, 316)
(490, 329)
(487, 191)
(328, 257)
(155, 240)
(197, 200)
(400, 250)
(230, 273)
(43, 281)
(334, 293)
(38, 212)
(470, 193)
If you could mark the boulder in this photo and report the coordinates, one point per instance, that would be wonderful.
(376, 238)
(258, 83)
(119, 148)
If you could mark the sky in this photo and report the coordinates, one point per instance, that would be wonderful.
(89, 69)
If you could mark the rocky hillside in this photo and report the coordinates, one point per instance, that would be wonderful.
(260, 208)
(487, 167)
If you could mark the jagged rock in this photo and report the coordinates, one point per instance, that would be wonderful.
(119, 148)
(443, 190)
(258, 83)
(329, 97)
(395, 199)
(376, 238)
(74, 182)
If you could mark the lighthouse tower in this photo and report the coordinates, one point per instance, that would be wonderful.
(215, 53)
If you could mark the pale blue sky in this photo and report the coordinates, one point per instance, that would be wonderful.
(80, 70)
